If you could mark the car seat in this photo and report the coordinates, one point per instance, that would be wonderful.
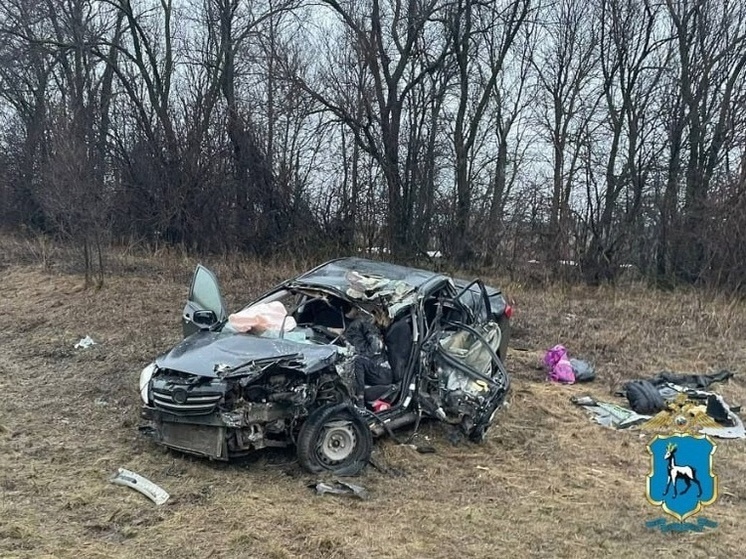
(398, 340)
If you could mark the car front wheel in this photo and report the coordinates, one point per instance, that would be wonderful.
(334, 439)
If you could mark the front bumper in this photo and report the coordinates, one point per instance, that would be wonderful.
(220, 434)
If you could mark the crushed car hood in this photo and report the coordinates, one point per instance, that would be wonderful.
(201, 352)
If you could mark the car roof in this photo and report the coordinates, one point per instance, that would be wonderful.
(335, 273)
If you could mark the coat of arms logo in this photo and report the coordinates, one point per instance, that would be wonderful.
(681, 479)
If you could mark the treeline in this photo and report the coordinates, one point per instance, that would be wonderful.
(609, 133)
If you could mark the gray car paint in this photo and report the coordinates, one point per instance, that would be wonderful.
(201, 352)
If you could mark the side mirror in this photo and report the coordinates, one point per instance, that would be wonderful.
(204, 318)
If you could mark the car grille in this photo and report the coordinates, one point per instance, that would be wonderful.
(184, 398)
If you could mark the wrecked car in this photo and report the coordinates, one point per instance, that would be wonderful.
(326, 361)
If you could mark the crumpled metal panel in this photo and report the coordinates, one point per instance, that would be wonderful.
(200, 353)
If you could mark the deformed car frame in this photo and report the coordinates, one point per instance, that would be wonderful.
(364, 347)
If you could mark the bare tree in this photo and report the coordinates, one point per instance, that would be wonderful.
(627, 43)
(481, 36)
(397, 48)
(710, 57)
(607, 132)
(566, 64)
(26, 65)
(512, 96)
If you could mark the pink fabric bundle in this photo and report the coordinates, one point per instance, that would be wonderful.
(560, 368)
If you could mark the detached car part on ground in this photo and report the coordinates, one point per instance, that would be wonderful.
(349, 350)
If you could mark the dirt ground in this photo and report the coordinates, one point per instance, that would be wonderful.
(547, 483)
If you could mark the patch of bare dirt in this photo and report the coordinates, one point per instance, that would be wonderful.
(547, 483)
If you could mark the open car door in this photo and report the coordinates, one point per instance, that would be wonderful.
(205, 306)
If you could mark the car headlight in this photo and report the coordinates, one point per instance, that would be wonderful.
(145, 376)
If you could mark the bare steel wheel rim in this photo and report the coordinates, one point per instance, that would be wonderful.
(337, 442)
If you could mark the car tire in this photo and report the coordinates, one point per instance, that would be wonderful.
(334, 439)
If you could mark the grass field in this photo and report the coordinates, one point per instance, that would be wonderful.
(547, 483)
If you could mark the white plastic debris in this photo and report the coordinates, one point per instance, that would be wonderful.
(85, 343)
(130, 479)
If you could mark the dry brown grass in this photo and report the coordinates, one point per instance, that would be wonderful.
(547, 483)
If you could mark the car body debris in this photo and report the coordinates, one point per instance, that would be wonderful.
(609, 414)
(339, 487)
(137, 482)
